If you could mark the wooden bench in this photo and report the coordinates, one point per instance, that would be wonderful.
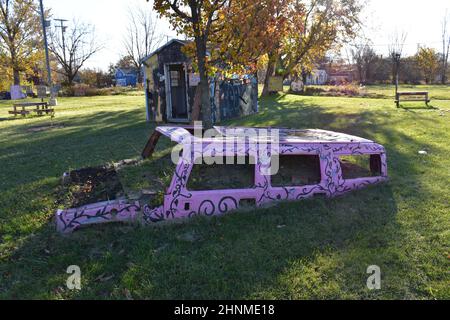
(40, 108)
(413, 96)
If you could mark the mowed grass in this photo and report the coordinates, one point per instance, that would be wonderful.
(437, 92)
(318, 249)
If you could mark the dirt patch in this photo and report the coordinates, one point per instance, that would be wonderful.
(45, 128)
(91, 185)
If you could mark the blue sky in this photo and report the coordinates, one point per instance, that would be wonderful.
(421, 20)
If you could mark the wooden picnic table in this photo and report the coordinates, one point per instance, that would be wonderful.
(39, 108)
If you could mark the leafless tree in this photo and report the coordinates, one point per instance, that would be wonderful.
(445, 48)
(72, 49)
(396, 44)
(141, 38)
(363, 57)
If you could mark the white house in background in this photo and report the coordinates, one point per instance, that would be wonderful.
(317, 77)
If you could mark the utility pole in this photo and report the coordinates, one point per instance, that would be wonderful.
(53, 101)
(63, 31)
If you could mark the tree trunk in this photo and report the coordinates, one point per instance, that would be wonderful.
(139, 77)
(204, 85)
(269, 74)
(444, 73)
(14, 64)
(16, 74)
(195, 115)
(360, 73)
(205, 103)
(304, 78)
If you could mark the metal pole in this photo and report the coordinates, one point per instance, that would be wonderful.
(396, 78)
(397, 57)
(63, 30)
(397, 67)
(52, 101)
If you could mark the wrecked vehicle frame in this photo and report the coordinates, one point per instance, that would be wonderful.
(181, 202)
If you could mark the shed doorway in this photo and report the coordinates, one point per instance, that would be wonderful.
(177, 89)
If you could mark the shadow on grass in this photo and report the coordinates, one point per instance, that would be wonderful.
(10, 119)
(268, 253)
(78, 142)
(412, 107)
(241, 255)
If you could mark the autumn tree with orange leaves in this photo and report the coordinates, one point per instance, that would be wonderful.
(232, 34)
(248, 31)
(312, 28)
(197, 19)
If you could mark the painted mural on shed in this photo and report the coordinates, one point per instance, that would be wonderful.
(171, 83)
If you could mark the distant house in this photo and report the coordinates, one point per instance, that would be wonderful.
(126, 77)
(317, 77)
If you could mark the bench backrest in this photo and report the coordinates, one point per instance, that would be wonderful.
(418, 93)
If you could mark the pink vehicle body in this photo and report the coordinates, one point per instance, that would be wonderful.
(180, 202)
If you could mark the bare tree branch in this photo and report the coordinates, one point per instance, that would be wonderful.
(79, 46)
(445, 48)
(140, 39)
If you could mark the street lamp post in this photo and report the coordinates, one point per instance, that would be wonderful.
(397, 67)
(53, 101)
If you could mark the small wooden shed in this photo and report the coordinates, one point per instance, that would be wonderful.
(171, 83)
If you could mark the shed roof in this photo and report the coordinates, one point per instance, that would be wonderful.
(183, 42)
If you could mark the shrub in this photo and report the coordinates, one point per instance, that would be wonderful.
(349, 90)
(313, 91)
(80, 90)
(84, 90)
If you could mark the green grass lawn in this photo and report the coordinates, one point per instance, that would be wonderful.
(305, 250)
(437, 92)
